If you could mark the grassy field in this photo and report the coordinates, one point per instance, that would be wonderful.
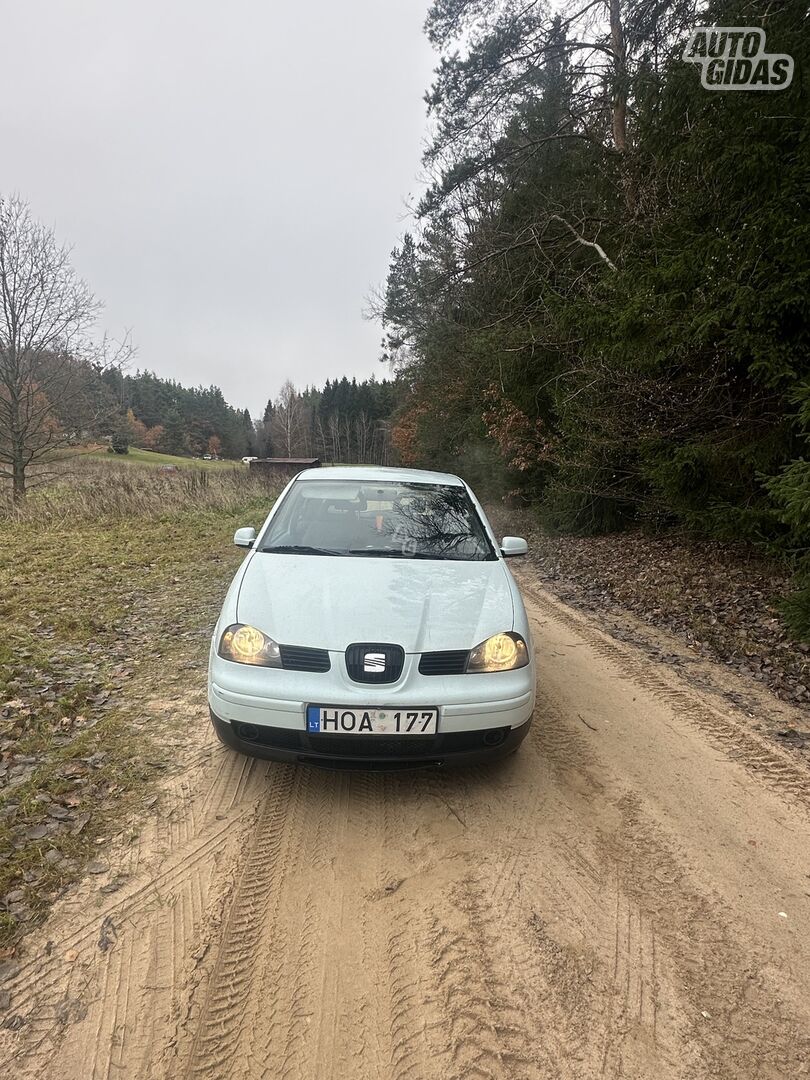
(136, 456)
(90, 488)
(107, 600)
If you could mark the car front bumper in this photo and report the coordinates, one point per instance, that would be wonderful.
(262, 712)
(370, 752)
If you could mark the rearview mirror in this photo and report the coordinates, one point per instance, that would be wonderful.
(513, 545)
(244, 537)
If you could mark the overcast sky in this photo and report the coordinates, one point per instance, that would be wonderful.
(232, 176)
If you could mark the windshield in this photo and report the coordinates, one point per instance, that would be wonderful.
(386, 520)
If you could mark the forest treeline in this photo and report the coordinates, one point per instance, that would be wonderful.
(345, 420)
(604, 302)
(163, 415)
(105, 402)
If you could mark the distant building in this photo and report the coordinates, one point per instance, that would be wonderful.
(282, 467)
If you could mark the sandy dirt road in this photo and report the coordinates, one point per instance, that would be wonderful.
(628, 897)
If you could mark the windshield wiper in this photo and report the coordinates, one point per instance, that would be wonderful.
(301, 549)
(380, 554)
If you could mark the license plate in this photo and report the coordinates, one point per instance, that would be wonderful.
(334, 720)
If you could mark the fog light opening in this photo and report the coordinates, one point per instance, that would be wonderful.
(248, 732)
(496, 737)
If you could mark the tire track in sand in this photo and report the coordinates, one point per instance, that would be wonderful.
(117, 996)
(766, 762)
(219, 1022)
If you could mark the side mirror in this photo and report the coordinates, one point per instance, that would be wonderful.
(244, 537)
(513, 545)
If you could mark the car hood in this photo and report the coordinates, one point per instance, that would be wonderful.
(328, 603)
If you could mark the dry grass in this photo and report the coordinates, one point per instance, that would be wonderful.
(110, 583)
(107, 491)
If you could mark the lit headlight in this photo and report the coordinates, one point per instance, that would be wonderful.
(247, 645)
(503, 652)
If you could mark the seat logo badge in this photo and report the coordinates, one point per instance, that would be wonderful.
(374, 662)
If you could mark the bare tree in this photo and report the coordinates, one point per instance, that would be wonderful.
(46, 313)
(334, 434)
(287, 417)
(346, 432)
(321, 447)
(305, 426)
(362, 436)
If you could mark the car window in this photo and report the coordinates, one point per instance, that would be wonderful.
(395, 520)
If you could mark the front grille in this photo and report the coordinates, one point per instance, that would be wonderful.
(364, 654)
(443, 663)
(300, 658)
(371, 746)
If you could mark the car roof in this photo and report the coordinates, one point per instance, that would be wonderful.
(379, 475)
